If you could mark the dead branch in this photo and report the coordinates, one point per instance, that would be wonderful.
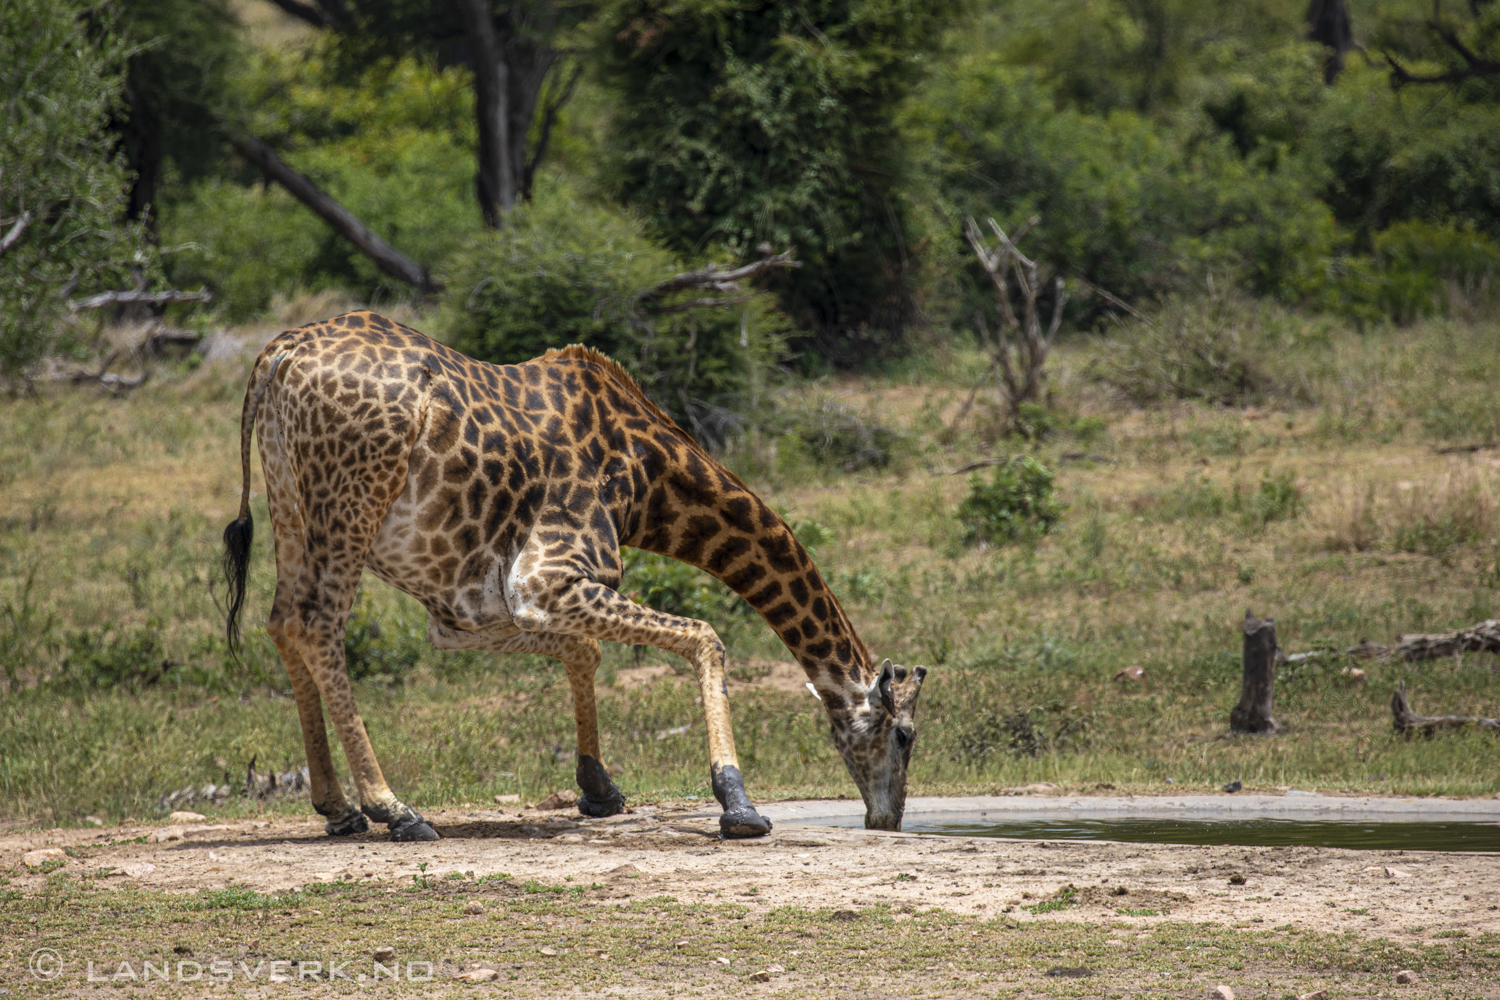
(114, 383)
(1019, 354)
(1407, 721)
(386, 257)
(14, 234)
(139, 297)
(711, 279)
(1474, 65)
(1415, 647)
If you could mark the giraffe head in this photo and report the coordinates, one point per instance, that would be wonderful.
(875, 738)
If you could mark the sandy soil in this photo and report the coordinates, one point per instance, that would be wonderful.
(675, 850)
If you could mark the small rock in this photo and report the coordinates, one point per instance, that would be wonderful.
(385, 953)
(1236, 879)
(1396, 873)
(198, 831)
(474, 907)
(624, 871)
(1406, 977)
(549, 952)
(137, 869)
(775, 970)
(760, 977)
(1221, 992)
(478, 976)
(165, 834)
(683, 943)
(1354, 675)
(93, 821)
(565, 799)
(722, 960)
(38, 858)
(1314, 995)
(1233, 787)
(570, 838)
(505, 800)
(1131, 673)
(1297, 793)
(182, 816)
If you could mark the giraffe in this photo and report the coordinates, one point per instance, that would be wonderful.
(499, 497)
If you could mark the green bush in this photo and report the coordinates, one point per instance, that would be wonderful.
(742, 123)
(379, 647)
(114, 656)
(1277, 498)
(60, 84)
(392, 146)
(1195, 348)
(562, 272)
(1017, 504)
(1416, 268)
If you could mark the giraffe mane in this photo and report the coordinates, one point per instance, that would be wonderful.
(591, 355)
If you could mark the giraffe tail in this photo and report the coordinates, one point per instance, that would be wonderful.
(241, 531)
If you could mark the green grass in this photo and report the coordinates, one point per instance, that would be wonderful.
(1330, 510)
(601, 937)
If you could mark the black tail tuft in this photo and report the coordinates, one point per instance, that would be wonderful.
(237, 538)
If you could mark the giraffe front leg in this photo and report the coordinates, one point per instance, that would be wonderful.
(739, 818)
(587, 608)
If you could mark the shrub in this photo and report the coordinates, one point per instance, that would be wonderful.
(1415, 271)
(1193, 349)
(380, 647)
(562, 272)
(1017, 504)
(1455, 510)
(114, 656)
(1277, 498)
(58, 89)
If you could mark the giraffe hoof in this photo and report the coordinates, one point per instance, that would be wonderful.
(347, 825)
(738, 824)
(610, 805)
(413, 830)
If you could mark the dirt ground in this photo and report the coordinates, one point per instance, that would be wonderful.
(1401, 896)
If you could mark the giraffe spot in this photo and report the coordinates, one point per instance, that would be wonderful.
(820, 609)
(799, 590)
(820, 649)
(780, 614)
(697, 532)
(726, 554)
(743, 579)
(766, 594)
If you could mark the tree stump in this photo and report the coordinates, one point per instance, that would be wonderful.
(1258, 690)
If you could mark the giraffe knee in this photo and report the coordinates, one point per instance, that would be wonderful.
(530, 619)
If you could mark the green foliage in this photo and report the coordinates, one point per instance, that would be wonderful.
(563, 271)
(114, 656)
(372, 142)
(1051, 728)
(741, 123)
(1277, 498)
(1130, 203)
(1416, 269)
(184, 55)
(1017, 504)
(380, 647)
(59, 85)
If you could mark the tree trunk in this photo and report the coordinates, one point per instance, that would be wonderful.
(495, 180)
(1328, 22)
(1258, 690)
(1407, 721)
(386, 257)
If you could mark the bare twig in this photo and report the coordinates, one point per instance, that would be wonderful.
(134, 296)
(10, 238)
(710, 278)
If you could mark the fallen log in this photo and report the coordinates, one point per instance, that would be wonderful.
(1407, 721)
(1481, 638)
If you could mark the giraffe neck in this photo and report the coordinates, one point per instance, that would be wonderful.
(748, 546)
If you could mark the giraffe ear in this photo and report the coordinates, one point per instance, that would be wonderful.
(883, 684)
